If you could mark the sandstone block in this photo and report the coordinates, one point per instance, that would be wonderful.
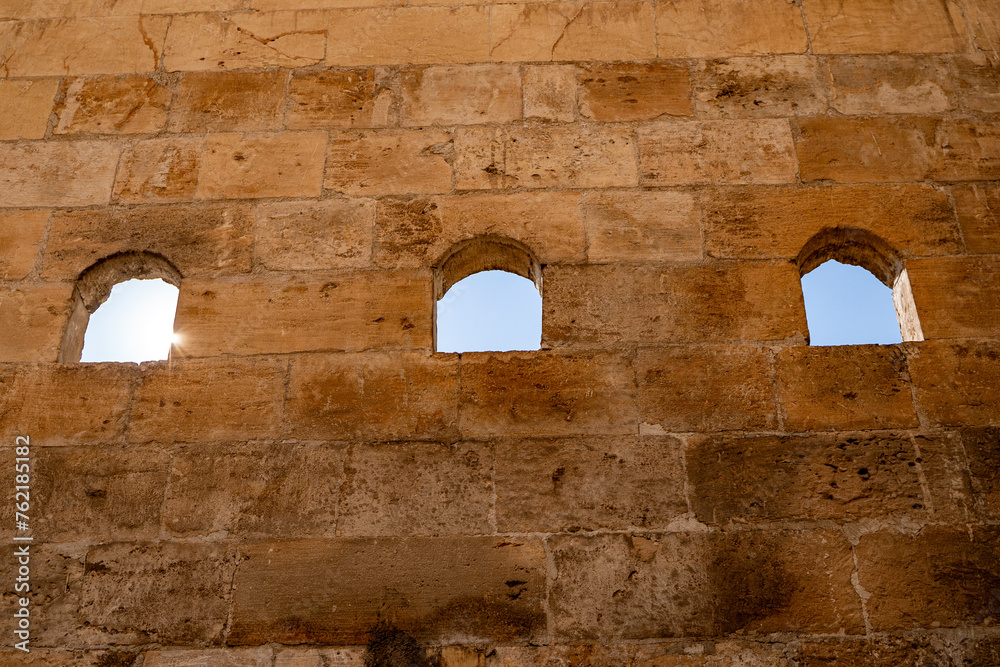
(78, 46)
(78, 173)
(126, 586)
(955, 383)
(544, 157)
(950, 491)
(985, 24)
(202, 400)
(198, 240)
(34, 320)
(234, 166)
(25, 105)
(408, 35)
(982, 446)
(928, 649)
(705, 389)
(957, 297)
(773, 223)
(418, 232)
(942, 577)
(760, 87)
(736, 151)
(18, 9)
(372, 396)
(588, 484)
(417, 489)
(351, 656)
(132, 104)
(253, 490)
(350, 311)
(132, 7)
(338, 98)
(966, 150)
(21, 235)
(634, 92)
(849, 387)
(333, 591)
(607, 31)
(975, 78)
(550, 92)
(56, 573)
(648, 225)
(159, 170)
(245, 40)
(547, 394)
(617, 304)
(389, 162)
(894, 26)
(461, 95)
(217, 657)
(714, 28)
(890, 84)
(226, 101)
(315, 235)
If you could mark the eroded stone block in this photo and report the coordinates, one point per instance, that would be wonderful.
(34, 320)
(550, 92)
(132, 104)
(904, 26)
(226, 101)
(389, 162)
(21, 235)
(760, 87)
(890, 84)
(955, 383)
(465, 95)
(315, 235)
(338, 98)
(25, 106)
(58, 173)
(982, 447)
(714, 28)
(634, 92)
(235, 166)
(628, 226)
(957, 297)
(159, 170)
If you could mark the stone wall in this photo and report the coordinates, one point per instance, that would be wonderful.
(676, 479)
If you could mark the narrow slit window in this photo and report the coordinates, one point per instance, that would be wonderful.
(848, 305)
(490, 311)
(135, 324)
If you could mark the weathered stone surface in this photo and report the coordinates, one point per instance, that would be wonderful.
(941, 577)
(966, 150)
(25, 105)
(57, 404)
(216, 657)
(736, 151)
(955, 383)
(352, 656)
(221, 101)
(550, 92)
(930, 650)
(199, 240)
(982, 447)
(949, 490)
(125, 587)
(244, 40)
(159, 170)
(849, 387)
(21, 234)
(63, 173)
(253, 490)
(348, 311)
(132, 7)
(547, 394)
(714, 28)
(34, 320)
(544, 157)
(338, 98)
(19, 9)
(776, 223)
(76, 46)
(759, 87)
(705, 389)
(132, 104)
(333, 592)
(607, 31)
(906, 26)
(389, 162)
(616, 304)
(628, 226)
(985, 24)
(883, 85)
(568, 485)
(372, 396)
(416, 489)
(408, 35)
(314, 235)
(977, 79)
(794, 478)
(634, 92)
(56, 577)
(865, 150)
(957, 297)
(202, 400)
(418, 232)
(235, 166)
(630, 587)
(465, 95)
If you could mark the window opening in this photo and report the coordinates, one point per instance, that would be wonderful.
(135, 324)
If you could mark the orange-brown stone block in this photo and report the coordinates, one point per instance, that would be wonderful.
(389, 162)
(868, 85)
(159, 170)
(21, 234)
(985, 24)
(550, 92)
(373, 396)
(34, 318)
(907, 26)
(942, 577)
(25, 106)
(976, 78)
(957, 297)
(314, 235)
(713, 28)
(883, 651)
(199, 240)
(705, 389)
(771, 86)
(63, 173)
(982, 447)
(464, 95)
(956, 383)
(334, 591)
(736, 151)
(226, 101)
(350, 311)
(634, 92)
(235, 166)
(648, 225)
(217, 657)
(132, 104)
(19, 9)
(966, 150)
(547, 394)
(849, 387)
(569, 485)
(195, 400)
(338, 98)
(56, 573)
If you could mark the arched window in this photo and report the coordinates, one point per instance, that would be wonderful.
(123, 310)
(856, 288)
(487, 297)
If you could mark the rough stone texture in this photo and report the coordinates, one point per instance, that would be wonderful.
(982, 446)
(909, 26)
(714, 28)
(901, 84)
(550, 92)
(286, 165)
(634, 92)
(218, 101)
(78, 173)
(625, 226)
(957, 299)
(461, 95)
(21, 233)
(132, 104)
(759, 87)
(978, 207)
(955, 383)
(389, 162)
(159, 170)
(25, 105)
(35, 318)
(332, 98)
(227, 657)
(975, 78)
(314, 235)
